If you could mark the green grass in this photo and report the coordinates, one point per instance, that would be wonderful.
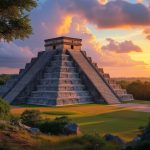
(138, 102)
(123, 123)
(97, 118)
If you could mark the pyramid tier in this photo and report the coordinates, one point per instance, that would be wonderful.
(53, 94)
(64, 87)
(61, 75)
(56, 81)
(61, 69)
(60, 101)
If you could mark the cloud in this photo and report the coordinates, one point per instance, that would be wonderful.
(102, 1)
(70, 17)
(121, 47)
(12, 55)
(114, 14)
(140, 1)
(147, 33)
(64, 28)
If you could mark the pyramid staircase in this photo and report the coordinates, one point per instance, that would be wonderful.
(61, 84)
(116, 88)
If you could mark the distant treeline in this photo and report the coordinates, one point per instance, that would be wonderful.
(4, 78)
(139, 89)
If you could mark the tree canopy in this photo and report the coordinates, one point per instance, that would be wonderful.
(4, 109)
(14, 19)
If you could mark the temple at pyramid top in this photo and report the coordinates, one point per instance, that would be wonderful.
(63, 43)
(63, 74)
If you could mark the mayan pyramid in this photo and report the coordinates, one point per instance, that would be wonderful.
(62, 75)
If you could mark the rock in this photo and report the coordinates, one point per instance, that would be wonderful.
(34, 130)
(71, 128)
(146, 135)
(113, 138)
(137, 139)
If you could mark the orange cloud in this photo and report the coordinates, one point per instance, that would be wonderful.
(147, 33)
(139, 1)
(103, 1)
(64, 26)
(111, 61)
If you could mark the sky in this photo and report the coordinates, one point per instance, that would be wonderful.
(115, 33)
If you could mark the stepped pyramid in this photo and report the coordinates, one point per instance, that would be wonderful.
(62, 75)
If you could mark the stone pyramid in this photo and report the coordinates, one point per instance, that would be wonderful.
(62, 75)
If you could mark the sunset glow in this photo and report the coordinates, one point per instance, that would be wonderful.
(115, 34)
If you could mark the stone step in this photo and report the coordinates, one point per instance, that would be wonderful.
(115, 86)
(39, 101)
(63, 63)
(61, 75)
(56, 81)
(61, 88)
(120, 91)
(61, 57)
(60, 101)
(74, 101)
(60, 94)
(126, 97)
(61, 69)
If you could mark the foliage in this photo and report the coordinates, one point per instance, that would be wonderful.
(4, 78)
(54, 127)
(123, 83)
(4, 109)
(139, 89)
(85, 142)
(31, 117)
(144, 145)
(14, 19)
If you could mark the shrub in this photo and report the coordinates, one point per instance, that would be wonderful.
(4, 109)
(31, 117)
(55, 127)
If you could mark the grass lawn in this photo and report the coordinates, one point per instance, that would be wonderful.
(96, 118)
(138, 102)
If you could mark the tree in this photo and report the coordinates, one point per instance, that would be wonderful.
(31, 117)
(14, 19)
(4, 78)
(4, 109)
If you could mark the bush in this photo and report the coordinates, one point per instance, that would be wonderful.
(4, 109)
(55, 127)
(31, 117)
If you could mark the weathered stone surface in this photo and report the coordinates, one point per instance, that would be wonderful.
(95, 78)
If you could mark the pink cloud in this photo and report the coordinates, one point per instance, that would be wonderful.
(12, 55)
(121, 47)
(6, 70)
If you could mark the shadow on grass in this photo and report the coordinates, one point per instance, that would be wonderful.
(59, 113)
